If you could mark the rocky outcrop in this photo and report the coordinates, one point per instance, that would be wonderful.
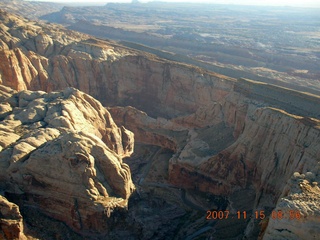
(62, 153)
(11, 222)
(297, 213)
(37, 57)
(148, 130)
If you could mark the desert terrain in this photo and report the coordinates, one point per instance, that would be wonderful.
(269, 44)
(123, 139)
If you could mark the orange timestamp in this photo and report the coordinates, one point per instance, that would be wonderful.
(226, 214)
(219, 214)
(291, 214)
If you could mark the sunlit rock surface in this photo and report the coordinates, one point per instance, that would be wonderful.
(11, 221)
(63, 153)
(299, 207)
(228, 135)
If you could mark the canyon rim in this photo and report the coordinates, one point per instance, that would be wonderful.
(101, 141)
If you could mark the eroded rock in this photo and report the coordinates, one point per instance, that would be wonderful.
(11, 221)
(63, 153)
(297, 213)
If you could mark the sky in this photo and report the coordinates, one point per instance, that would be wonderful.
(301, 3)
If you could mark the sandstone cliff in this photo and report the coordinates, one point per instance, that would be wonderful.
(62, 153)
(299, 209)
(227, 135)
(271, 147)
(49, 57)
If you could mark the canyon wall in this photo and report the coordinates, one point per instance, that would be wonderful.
(227, 134)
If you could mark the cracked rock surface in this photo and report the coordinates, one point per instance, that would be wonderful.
(62, 153)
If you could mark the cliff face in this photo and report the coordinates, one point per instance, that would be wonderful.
(48, 58)
(296, 215)
(62, 153)
(227, 134)
(272, 146)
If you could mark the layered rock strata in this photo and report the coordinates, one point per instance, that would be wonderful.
(272, 147)
(227, 134)
(62, 153)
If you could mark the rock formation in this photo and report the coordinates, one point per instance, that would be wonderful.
(62, 153)
(297, 213)
(227, 135)
(11, 224)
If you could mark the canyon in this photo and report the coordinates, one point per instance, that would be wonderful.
(168, 142)
(278, 45)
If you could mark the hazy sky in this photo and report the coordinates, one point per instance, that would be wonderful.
(249, 2)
